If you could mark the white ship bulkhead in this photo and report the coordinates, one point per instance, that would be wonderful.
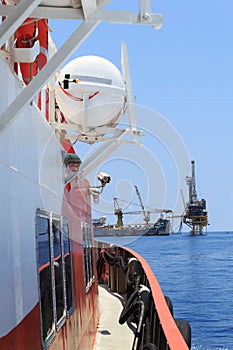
(27, 183)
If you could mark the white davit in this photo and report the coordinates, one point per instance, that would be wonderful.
(90, 92)
(69, 3)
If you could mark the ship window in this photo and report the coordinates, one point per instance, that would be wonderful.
(87, 255)
(55, 272)
(58, 270)
(45, 277)
(68, 266)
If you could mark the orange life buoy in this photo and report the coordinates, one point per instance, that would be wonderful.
(31, 30)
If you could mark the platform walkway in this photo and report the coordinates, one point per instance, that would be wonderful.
(111, 335)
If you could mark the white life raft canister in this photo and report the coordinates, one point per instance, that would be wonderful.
(90, 93)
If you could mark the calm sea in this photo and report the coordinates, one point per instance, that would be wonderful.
(196, 272)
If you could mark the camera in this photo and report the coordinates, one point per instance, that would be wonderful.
(104, 178)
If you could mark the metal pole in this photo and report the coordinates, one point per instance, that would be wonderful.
(47, 72)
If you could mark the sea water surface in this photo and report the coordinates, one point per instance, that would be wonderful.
(196, 272)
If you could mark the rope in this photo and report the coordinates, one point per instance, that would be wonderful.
(75, 98)
(115, 261)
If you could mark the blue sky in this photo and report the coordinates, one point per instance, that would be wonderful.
(184, 71)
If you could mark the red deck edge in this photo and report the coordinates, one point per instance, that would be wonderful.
(172, 334)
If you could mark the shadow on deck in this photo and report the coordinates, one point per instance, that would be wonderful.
(111, 335)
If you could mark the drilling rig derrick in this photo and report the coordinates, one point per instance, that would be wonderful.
(195, 216)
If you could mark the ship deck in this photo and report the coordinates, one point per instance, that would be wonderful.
(111, 335)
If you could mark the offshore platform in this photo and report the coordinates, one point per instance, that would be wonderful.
(195, 215)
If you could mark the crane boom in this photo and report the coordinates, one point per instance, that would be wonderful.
(119, 212)
(148, 211)
(146, 215)
(183, 200)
